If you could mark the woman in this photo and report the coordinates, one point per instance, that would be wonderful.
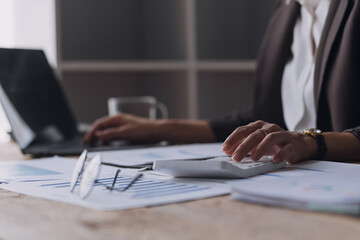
(307, 77)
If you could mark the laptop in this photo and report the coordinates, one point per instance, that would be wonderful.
(34, 102)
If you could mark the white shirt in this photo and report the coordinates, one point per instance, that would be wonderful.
(297, 88)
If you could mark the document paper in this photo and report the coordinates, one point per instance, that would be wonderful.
(149, 155)
(50, 179)
(332, 187)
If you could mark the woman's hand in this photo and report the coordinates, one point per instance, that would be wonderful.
(133, 128)
(260, 138)
(121, 126)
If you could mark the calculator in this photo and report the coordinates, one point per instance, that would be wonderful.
(219, 167)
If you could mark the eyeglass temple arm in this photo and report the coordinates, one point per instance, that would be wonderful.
(137, 177)
(115, 178)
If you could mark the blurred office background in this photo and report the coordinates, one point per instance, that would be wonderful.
(196, 56)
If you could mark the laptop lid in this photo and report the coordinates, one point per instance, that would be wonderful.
(33, 99)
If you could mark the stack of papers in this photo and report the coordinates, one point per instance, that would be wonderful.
(327, 189)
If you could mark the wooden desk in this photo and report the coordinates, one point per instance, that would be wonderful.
(24, 217)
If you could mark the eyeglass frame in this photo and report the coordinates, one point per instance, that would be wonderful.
(80, 170)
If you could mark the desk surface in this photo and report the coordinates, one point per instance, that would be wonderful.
(217, 218)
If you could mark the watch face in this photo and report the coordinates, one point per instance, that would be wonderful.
(316, 130)
(313, 131)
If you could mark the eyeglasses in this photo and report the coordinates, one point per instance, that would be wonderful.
(89, 176)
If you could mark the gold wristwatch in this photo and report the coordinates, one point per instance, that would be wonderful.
(318, 135)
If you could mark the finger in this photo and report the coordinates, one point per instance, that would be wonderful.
(287, 153)
(239, 135)
(102, 123)
(90, 135)
(248, 145)
(269, 142)
(111, 134)
(235, 139)
(270, 127)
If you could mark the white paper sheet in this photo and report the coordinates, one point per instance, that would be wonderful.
(50, 179)
(36, 170)
(149, 155)
(324, 186)
(302, 169)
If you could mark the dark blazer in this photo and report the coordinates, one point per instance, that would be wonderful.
(337, 71)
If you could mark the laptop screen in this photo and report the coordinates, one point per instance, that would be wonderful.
(33, 99)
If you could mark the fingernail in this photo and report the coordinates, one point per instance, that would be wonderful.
(225, 147)
(236, 157)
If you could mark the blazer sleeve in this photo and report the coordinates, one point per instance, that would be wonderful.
(355, 131)
(223, 126)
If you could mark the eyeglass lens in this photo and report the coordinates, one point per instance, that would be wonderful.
(90, 175)
(78, 170)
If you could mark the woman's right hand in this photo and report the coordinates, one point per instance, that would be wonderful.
(121, 126)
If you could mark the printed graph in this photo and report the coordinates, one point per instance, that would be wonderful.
(142, 189)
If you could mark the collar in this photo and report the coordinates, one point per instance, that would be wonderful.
(311, 5)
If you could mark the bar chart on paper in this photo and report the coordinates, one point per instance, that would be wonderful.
(147, 191)
(144, 192)
(141, 189)
(50, 179)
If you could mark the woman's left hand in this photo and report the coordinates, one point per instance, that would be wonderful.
(261, 138)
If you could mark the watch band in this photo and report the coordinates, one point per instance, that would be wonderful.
(320, 141)
(322, 149)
